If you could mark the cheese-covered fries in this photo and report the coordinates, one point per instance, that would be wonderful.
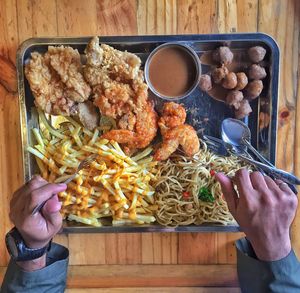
(114, 185)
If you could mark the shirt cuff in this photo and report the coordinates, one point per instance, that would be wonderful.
(55, 271)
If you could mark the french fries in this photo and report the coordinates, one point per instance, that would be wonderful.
(114, 185)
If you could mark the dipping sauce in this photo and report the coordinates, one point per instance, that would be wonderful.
(172, 71)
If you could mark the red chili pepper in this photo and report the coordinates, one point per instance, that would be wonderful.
(212, 173)
(186, 194)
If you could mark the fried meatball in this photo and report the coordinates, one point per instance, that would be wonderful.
(244, 109)
(205, 82)
(257, 54)
(254, 89)
(230, 81)
(234, 99)
(242, 81)
(257, 72)
(223, 55)
(218, 74)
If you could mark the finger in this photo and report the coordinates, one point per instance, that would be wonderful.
(243, 182)
(17, 202)
(272, 184)
(228, 191)
(283, 186)
(53, 205)
(51, 213)
(44, 193)
(35, 183)
(258, 181)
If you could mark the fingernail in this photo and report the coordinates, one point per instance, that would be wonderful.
(62, 185)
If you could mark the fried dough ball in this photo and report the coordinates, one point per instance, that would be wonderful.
(230, 81)
(218, 74)
(254, 89)
(244, 109)
(223, 55)
(257, 72)
(205, 82)
(242, 80)
(234, 98)
(257, 54)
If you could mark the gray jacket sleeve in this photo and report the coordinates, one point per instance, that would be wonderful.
(50, 279)
(281, 276)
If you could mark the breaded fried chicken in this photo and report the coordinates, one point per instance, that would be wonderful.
(56, 80)
(120, 92)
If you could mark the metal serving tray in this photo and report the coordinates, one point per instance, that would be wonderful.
(204, 112)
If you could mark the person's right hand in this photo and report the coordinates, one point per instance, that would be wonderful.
(264, 210)
(37, 230)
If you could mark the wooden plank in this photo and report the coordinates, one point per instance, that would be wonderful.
(197, 248)
(157, 290)
(296, 224)
(77, 17)
(196, 17)
(116, 17)
(226, 249)
(10, 153)
(227, 16)
(281, 20)
(152, 275)
(156, 17)
(159, 248)
(87, 249)
(247, 12)
(123, 248)
(36, 18)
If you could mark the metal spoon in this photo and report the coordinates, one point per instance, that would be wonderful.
(237, 134)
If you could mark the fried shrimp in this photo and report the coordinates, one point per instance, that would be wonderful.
(144, 132)
(173, 115)
(183, 135)
(175, 133)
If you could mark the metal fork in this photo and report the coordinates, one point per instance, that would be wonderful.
(83, 164)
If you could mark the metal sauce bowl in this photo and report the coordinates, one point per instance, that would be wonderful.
(197, 64)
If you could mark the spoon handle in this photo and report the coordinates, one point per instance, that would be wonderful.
(257, 154)
(274, 172)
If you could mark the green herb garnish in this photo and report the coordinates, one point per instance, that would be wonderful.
(205, 195)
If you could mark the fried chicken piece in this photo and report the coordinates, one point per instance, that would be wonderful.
(104, 62)
(120, 92)
(66, 62)
(114, 99)
(56, 80)
(88, 115)
(46, 86)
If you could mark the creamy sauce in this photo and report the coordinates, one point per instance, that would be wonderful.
(172, 71)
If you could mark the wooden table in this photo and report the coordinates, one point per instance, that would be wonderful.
(146, 260)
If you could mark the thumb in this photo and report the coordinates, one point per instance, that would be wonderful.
(228, 191)
(51, 212)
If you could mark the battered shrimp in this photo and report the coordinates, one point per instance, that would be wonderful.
(173, 115)
(145, 130)
(175, 133)
(183, 135)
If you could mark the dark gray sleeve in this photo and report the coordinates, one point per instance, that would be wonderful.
(50, 279)
(281, 276)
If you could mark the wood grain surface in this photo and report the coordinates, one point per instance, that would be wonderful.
(153, 260)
